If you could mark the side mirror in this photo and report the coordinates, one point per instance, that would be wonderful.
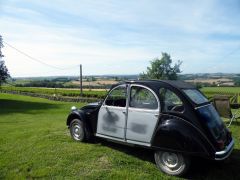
(100, 102)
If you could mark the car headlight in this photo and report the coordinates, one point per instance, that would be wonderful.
(73, 108)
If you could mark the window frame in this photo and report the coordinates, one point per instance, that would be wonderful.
(178, 95)
(109, 93)
(198, 93)
(149, 89)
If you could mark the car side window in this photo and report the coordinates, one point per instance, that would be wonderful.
(117, 97)
(141, 97)
(170, 101)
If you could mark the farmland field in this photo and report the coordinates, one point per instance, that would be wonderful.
(35, 143)
(225, 81)
(96, 83)
(101, 93)
(231, 91)
(57, 91)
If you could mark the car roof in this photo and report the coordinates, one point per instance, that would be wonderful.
(174, 83)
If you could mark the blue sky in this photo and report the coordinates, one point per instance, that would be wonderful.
(120, 37)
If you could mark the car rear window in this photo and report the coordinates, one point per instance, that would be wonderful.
(196, 96)
(211, 118)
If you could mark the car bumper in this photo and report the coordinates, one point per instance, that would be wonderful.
(221, 155)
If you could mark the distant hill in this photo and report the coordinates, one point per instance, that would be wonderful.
(97, 81)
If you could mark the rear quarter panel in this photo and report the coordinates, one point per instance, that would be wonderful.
(178, 135)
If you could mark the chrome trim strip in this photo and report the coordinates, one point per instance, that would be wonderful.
(127, 109)
(109, 137)
(227, 151)
(202, 106)
(138, 143)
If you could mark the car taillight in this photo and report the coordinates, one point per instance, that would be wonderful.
(220, 144)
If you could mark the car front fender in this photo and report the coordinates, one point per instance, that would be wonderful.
(79, 114)
(75, 115)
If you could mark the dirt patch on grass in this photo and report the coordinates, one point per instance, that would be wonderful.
(103, 162)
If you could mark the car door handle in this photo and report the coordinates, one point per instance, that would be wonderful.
(124, 112)
(156, 115)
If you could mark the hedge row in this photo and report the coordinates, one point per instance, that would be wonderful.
(58, 92)
(51, 97)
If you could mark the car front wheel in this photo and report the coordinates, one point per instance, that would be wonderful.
(77, 130)
(172, 163)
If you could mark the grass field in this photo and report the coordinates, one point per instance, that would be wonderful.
(228, 90)
(35, 143)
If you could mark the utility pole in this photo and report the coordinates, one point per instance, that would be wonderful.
(80, 80)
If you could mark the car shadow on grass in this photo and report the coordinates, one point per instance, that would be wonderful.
(138, 152)
(206, 169)
(15, 106)
(199, 169)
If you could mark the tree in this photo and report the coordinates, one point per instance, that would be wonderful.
(4, 74)
(162, 69)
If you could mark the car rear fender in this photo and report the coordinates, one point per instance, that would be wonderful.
(179, 135)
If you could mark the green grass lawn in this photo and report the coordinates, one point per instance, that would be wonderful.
(35, 143)
(230, 90)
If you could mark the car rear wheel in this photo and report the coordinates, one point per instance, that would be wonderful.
(77, 130)
(172, 163)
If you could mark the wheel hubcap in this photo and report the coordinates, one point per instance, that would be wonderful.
(170, 162)
(77, 131)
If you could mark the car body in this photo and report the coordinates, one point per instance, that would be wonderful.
(171, 117)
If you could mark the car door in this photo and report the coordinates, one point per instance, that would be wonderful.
(143, 114)
(112, 114)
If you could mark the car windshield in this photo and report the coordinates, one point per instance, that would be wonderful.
(195, 96)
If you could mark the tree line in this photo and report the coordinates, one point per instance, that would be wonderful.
(4, 74)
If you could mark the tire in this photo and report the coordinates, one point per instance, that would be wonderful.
(174, 164)
(78, 130)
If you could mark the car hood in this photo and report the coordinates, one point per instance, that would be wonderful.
(91, 106)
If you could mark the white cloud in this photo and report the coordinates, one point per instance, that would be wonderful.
(117, 37)
(58, 47)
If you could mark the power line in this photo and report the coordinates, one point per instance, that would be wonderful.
(231, 52)
(30, 57)
(49, 72)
